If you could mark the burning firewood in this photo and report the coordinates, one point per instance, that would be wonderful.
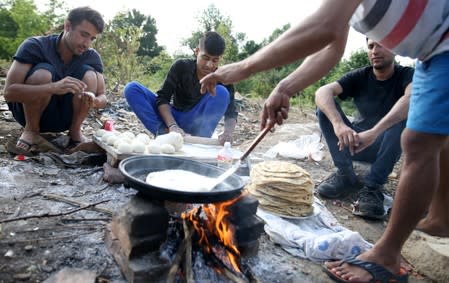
(188, 255)
(187, 241)
(223, 269)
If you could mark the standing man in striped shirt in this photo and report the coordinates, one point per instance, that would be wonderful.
(414, 28)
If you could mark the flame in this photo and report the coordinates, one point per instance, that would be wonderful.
(216, 223)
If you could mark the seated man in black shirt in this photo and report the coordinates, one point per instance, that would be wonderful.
(179, 106)
(376, 90)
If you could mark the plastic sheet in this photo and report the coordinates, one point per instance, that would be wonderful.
(307, 146)
(318, 238)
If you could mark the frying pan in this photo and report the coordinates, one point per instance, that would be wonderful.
(136, 168)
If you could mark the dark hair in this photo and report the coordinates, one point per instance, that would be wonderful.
(212, 43)
(77, 15)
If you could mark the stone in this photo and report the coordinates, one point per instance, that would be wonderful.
(112, 175)
(141, 269)
(245, 207)
(249, 230)
(429, 255)
(142, 217)
(72, 275)
(133, 246)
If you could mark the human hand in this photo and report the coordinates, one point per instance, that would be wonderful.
(366, 138)
(88, 98)
(275, 109)
(347, 137)
(176, 129)
(225, 137)
(69, 85)
(226, 74)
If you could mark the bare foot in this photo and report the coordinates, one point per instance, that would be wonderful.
(353, 273)
(433, 227)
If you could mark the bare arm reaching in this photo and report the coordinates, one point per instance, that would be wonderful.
(397, 114)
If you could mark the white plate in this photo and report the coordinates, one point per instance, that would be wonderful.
(316, 211)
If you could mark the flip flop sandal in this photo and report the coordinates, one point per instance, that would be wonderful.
(379, 273)
(25, 145)
(72, 144)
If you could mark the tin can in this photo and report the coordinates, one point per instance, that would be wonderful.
(108, 125)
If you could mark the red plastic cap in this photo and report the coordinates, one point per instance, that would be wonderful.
(108, 125)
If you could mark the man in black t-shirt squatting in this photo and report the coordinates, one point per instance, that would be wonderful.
(55, 80)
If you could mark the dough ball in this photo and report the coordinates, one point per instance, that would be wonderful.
(124, 148)
(138, 146)
(121, 140)
(128, 135)
(100, 132)
(175, 139)
(144, 138)
(111, 140)
(106, 136)
(168, 148)
(154, 148)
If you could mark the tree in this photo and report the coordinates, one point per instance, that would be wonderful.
(262, 84)
(146, 24)
(24, 20)
(118, 48)
(8, 30)
(249, 48)
(55, 14)
(211, 19)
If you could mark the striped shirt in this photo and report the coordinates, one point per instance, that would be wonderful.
(412, 28)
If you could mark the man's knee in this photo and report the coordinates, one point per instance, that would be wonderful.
(131, 89)
(222, 93)
(90, 78)
(42, 73)
(39, 76)
(415, 144)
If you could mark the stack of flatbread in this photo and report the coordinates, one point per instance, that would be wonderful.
(282, 188)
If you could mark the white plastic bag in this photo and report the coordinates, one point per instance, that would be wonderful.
(317, 238)
(307, 146)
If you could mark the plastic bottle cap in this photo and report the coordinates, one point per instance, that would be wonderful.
(225, 154)
(108, 125)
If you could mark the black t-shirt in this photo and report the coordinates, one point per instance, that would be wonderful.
(43, 49)
(373, 98)
(182, 87)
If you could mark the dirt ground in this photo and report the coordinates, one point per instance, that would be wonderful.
(49, 237)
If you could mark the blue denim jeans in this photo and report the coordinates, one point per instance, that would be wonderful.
(382, 154)
(201, 120)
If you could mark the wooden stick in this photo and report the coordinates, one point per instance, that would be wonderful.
(38, 240)
(252, 278)
(176, 262)
(225, 270)
(255, 142)
(74, 202)
(52, 214)
(188, 255)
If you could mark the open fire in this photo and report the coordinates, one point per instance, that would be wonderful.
(209, 241)
(216, 223)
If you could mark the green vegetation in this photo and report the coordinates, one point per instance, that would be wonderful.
(130, 51)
